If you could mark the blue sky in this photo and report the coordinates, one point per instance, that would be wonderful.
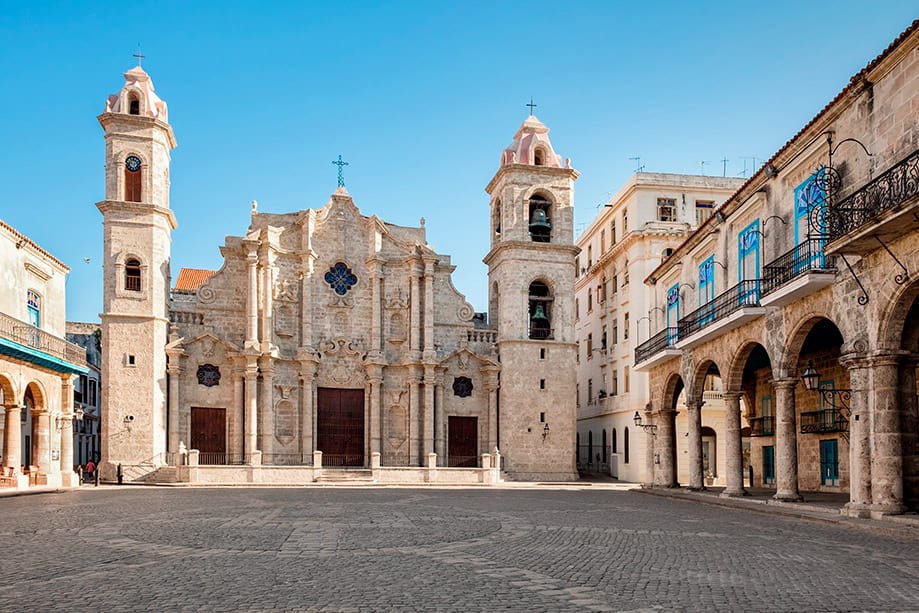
(419, 97)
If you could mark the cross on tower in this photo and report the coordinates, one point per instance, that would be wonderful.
(531, 105)
(341, 176)
(139, 57)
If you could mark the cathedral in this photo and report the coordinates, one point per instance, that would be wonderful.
(330, 338)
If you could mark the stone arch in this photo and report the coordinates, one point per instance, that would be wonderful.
(130, 94)
(697, 384)
(7, 390)
(671, 391)
(891, 332)
(789, 360)
(732, 380)
(36, 392)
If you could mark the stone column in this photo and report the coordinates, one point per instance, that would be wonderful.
(267, 299)
(252, 295)
(237, 436)
(428, 307)
(41, 440)
(887, 448)
(696, 477)
(733, 446)
(428, 413)
(439, 420)
(306, 293)
(306, 415)
(265, 409)
(173, 371)
(492, 390)
(68, 477)
(376, 328)
(413, 434)
(12, 437)
(376, 386)
(859, 437)
(650, 442)
(414, 313)
(665, 452)
(251, 412)
(909, 429)
(786, 441)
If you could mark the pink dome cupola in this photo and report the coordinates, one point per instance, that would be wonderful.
(137, 97)
(531, 146)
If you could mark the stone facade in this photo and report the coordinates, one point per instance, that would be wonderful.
(324, 330)
(815, 254)
(36, 367)
(646, 219)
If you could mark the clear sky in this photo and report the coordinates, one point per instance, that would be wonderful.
(419, 97)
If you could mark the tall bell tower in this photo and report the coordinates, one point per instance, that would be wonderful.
(531, 273)
(137, 225)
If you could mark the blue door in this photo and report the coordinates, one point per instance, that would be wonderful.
(768, 464)
(829, 462)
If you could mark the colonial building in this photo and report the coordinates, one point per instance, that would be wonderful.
(640, 225)
(802, 299)
(327, 330)
(36, 367)
(87, 390)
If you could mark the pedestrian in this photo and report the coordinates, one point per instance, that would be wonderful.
(90, 469)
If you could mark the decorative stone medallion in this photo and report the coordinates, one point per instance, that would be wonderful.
(340, 278)
(208, 375)
(462, 387)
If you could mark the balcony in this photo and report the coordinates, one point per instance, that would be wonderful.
(30, 344)
(882, 209)
(797, 273)
(727, 311)
(659, 348)
(762, 426)
(824, 420)
(542, 334)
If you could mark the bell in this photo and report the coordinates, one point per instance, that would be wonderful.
(539, 314)
(538, 221)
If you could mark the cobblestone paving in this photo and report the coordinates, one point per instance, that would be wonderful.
(158, 549)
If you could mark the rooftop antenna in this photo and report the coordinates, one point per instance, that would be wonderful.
(637, 159)
(724, 166)
(704, 162)
(745, 158)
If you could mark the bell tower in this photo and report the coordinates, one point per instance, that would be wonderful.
(137, 227)
(531, 273)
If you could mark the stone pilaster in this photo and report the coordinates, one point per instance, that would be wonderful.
(414, 438)
(491, 386)
(375, 423)
(859, 437)
(265, 408)
(41, 440)
(665, 451)
(439, 438)
(887, 448)
(429, 307)
(251, 412)
(252, 295)
(12, 437)
(696, 476)
(415, 314)
(428, 413)
(647, 478)
(786, 441)
(173, 371)
(733, 446)
(236, 431)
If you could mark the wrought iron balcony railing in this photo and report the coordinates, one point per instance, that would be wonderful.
(762, 426)
(541, 333)
(823, 420)
(660, 341)
(806, 257)
(744, 294)
(28, 335)
(887, 191)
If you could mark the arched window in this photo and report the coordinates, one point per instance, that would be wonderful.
(625, 445)
(540, 219)
(33, 304)
(615, 449)
(539, 157)
(496, 218)
(132, 275)
(132, 179)
(134, 106)
(540, 313)
(604, 445)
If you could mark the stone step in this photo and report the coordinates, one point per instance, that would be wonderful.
(333, 475)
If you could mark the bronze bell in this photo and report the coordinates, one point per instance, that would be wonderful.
(539, 314)
(538, 222)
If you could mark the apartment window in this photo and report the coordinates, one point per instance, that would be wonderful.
(590, 391)
(33, 303)
(590, 301)
(590, 346)
(614, 387)
(615, 332)
(577, 394)
(603, 339)
(602, 241)
(577, 266)
(625, 272)
(666, 209)
(590, 256)
(615, 283)
(625, 327)
(577, 356)
(625, 222)
(704, 209)
(577, 309)
(92, 393)
(612, 233)
(625, 379)
(603, 289)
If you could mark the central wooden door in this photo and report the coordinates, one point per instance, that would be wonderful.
(463, 441)
(340, 427)
(209, 434)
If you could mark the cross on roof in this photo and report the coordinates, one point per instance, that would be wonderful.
(341, 176)
(139, 57)
(531, 105)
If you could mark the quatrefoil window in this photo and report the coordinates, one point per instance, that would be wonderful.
(340, 278)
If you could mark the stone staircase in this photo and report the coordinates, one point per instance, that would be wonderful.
(346, 476)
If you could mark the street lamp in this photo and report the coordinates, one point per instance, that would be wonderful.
(649, 428)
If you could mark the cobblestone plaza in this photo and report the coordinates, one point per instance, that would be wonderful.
(370, 549)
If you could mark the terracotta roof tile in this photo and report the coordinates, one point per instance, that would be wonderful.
(190, 279)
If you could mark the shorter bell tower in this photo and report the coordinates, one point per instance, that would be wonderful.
(531, 274)
(137, 227)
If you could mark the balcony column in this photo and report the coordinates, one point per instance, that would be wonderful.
(68, 477)
(696, 474)
(887, 448)
(733, 446)
(786, 441)
(665, 450)
(12, 437)
(859, 437)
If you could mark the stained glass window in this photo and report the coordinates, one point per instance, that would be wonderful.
(462, 387)
(340, 278)
(208, 375)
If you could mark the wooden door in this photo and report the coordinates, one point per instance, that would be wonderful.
(340, 427)
(463, 441)
(209, 434)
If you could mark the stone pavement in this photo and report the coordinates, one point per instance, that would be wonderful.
(535, 549)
